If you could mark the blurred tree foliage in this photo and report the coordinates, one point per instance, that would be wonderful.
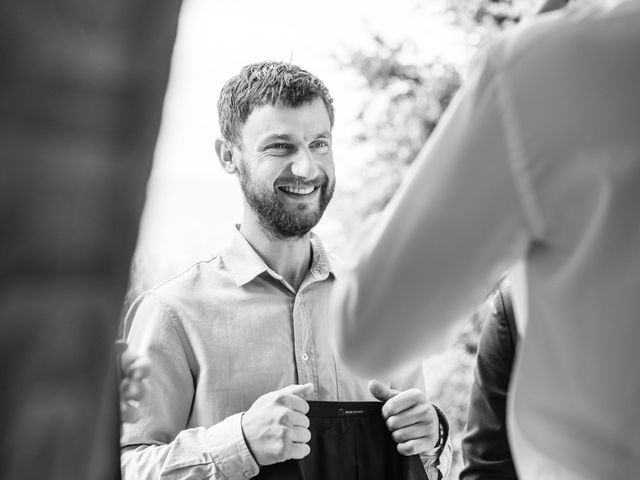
(405, 98)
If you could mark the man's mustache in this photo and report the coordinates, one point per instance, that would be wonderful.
(298, 182)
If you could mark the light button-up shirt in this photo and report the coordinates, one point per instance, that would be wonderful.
(220, 335)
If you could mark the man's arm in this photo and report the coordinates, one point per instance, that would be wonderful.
(485, 446)
(457, 223)
(159, 444)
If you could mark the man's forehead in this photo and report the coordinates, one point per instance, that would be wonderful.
(287, 123)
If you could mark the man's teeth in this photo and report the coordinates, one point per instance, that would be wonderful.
(298, 190)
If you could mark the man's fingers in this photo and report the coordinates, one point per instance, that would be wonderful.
(417, 414)
(403, 401)
(412, 432)
(413, 447)
(139, 369)
(131, 390)
(303, 391)
(128, 413)
(133, 365)
(380, 391)
(299, 450)
(293, 397)
(299, 435)
(126, 358)
(297, 419)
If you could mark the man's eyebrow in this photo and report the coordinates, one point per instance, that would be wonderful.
(325, 134)
(276, 136)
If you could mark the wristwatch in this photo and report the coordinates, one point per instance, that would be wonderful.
(443, 433)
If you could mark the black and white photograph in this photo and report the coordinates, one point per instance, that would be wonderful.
(339, 240)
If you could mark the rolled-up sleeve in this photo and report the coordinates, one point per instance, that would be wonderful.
(159, 444)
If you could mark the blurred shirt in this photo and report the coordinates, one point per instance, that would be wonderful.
(219, 336)
(538, 158)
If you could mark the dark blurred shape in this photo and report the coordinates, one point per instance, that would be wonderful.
(485, 446)
(81, 90)
(550, 5)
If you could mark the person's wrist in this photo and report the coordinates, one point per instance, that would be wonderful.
(246, 442)
(442, 433)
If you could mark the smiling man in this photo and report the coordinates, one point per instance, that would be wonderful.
(239, 343)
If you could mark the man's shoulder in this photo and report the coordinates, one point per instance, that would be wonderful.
(206, 275)
(198, 288)
(192, 275)
(546, 38)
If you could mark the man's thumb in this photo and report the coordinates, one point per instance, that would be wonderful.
(303, 391)
(380, 391)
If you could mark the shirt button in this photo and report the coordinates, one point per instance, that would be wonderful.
(305, 357)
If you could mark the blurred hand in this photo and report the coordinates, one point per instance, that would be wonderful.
(134, 369)
(276, 427)
(412, 421)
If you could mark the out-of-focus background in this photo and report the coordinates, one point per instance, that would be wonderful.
(392, 68)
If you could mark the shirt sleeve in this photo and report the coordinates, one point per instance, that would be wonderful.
(457, 222)
(159, 444)
(438, 466)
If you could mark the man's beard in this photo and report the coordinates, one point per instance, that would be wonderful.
(279, 219)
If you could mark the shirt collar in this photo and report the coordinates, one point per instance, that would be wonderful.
(245, 264)
(321, 266)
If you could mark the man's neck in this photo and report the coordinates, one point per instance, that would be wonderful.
(290, 258)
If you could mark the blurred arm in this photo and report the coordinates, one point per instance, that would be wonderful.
(455, 225)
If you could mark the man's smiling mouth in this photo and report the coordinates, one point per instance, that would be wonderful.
(298, 189)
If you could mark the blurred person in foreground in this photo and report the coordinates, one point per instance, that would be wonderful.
(485, 446)
(239, 342)
(81, 90)
(537, 159)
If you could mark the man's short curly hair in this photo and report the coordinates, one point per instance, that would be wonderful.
(266, 83)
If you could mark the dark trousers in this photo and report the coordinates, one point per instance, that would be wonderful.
(349, 441)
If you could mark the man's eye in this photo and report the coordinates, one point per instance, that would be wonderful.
(320, 145)
(279, 146)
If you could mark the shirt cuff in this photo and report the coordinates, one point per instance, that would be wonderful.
(438, 462)
(229, 449)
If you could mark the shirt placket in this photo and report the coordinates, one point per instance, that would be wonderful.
(306, 358)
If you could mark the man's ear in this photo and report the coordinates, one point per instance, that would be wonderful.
(224, 150)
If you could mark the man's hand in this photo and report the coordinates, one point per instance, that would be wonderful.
(133, 371)
(412, 421)
(276, 427)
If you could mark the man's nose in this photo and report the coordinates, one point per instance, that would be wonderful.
(304, 165)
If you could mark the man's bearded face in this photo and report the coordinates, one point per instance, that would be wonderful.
(276, 212)
(285, 167)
